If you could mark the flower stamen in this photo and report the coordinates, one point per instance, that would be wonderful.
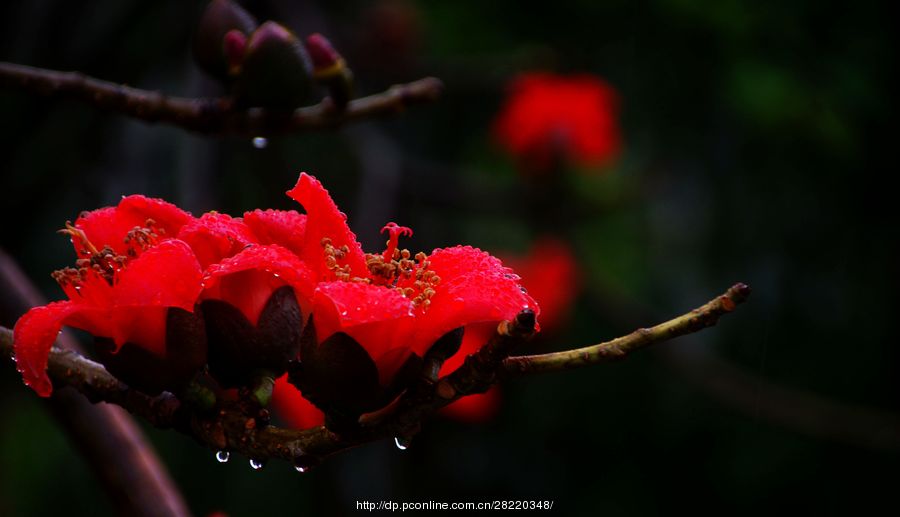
(78, 233)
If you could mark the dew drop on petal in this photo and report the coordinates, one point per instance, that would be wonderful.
(260, 142)
(222, 456)
(257, 464)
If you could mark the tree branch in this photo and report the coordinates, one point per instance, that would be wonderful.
(234, 429)
(109, 440)
(213, 116)
(704, 316)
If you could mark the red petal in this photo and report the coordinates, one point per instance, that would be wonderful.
(285, 228)
(473, 408)
(323, 219)
(377, 317)
(109, 226)
(215, 237)
(293, 408)
(247, 279)
(33, 336)
(475, 287)
(167, 275)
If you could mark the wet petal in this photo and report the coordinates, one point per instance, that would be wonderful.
(248, 279)
(215, 237)
(109, 226)
(475, 287)
(324, 220)
(286, 228)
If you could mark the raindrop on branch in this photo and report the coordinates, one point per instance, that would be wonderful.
(401, 443)
(260, 142)
(257, 464)
(222, 456)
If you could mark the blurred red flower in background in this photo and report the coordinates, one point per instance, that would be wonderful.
(547, 118)
(550, 273)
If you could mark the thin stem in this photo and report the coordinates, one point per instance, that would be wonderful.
(213, 116)
(704, 316)
(232, 429)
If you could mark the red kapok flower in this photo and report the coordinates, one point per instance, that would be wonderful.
(373, 313)
(126, 300)
(547, 117)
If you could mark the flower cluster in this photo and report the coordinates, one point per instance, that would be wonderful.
(169, 296)
(549, 118)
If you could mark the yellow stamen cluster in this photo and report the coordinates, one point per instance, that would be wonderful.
(104, 263)
(388, 273)
(140, 238)
(426, 281)
(332, 256)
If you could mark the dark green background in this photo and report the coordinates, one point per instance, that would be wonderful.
(759, 145)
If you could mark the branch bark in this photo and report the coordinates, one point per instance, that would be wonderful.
(233, 429)
(704, 316)
(212, 116)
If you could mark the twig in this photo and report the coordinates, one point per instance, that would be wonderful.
(231, 429)
(214, 116)
(125, 463)
(698, 319)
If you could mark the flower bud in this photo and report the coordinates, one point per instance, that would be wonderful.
(214, 52)
(276, 71)
(330, 69)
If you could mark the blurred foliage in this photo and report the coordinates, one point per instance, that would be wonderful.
(758, 142)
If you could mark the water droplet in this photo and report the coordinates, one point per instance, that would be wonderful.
(257, 464)
(401, 443)
(222, 456)
(260, 142)
(343, 313)
(304, 463)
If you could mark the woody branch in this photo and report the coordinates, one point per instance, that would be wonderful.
(233, 430)
(213, 116)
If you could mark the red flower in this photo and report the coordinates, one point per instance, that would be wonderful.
(276, 284)
(547, 117)
(122, 292)
(374, 314)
